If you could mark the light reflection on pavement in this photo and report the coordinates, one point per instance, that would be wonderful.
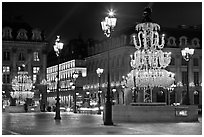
(83, 124)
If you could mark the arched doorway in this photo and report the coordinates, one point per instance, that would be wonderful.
(160, 96)
(196, 97)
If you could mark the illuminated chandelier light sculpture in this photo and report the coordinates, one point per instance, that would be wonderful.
(149, 61)
(22, 86)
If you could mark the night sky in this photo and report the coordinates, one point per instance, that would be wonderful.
(73, 19)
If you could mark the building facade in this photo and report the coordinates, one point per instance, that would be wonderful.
(66, 90)
(120, 49)
(23, 46)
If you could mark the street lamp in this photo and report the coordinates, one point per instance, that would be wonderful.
(88, 94)
(75, 75)
(134, 89)
(99, 71)
(108, 26)
(57, 48)
(187, 53)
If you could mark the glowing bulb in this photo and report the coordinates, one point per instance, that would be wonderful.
(111, 13)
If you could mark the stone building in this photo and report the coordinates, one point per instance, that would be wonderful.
(120, 47)
(23, 46)
(66, 91)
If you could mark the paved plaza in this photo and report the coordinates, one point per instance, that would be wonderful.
(87, 124)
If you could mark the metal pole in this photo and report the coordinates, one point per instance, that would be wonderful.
(134, 90)
(108, 103)
(75, 111)
(57, 109)
(99, 98)
(75, 108)
(187, 94)
(123, 97)
(118, 96)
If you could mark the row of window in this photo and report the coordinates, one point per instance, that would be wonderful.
(196, 78)
(21, 56)
(63, 66)
(6, 74)
(183, 41)
(22, 34)
(118, 62)
(67, 74)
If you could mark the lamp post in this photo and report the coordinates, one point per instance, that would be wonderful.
(134, 89)
(99, 71)
(57, 48)
(108, 26)
(88, 94)
(75, 76)
(187, 53)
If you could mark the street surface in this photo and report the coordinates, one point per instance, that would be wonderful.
(43, 123)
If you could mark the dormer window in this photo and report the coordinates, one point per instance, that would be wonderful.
(36, 34)
(183, 40)
(7, 33)
(22, 34)
(195, 42)
(36, 56)
(171, 41)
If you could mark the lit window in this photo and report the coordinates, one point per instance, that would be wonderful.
(36, 69)
(36, 57)
(6, 69)
(34, 78)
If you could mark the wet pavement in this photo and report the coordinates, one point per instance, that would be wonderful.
(43, 123)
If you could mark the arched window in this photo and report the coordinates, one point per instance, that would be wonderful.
(183, 40)
(171, 41)
(7, 32)
(36, 34)
(195, 42)
(22, 34)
